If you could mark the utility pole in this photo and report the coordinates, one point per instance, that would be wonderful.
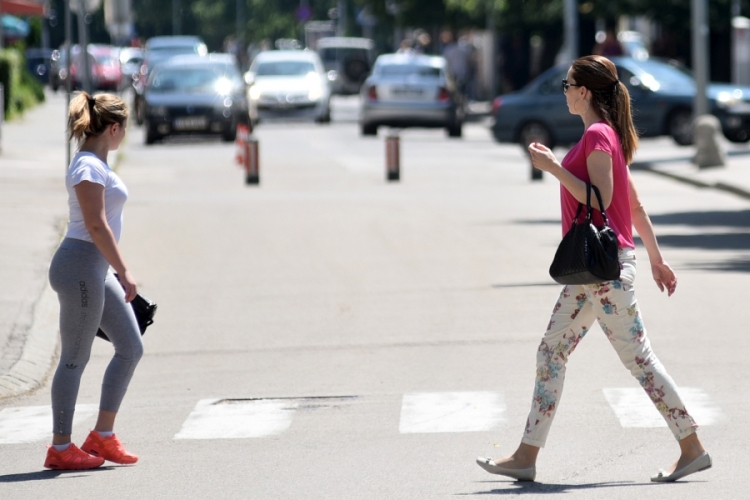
(68, 84)
(699, 17)
(571, 29)
(83, 44)
(176, 7)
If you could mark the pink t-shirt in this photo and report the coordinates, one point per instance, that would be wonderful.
(600, 136)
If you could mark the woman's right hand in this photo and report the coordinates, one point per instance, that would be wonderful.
(128, 284)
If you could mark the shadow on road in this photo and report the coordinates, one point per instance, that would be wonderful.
(44, 475)
(536, 488)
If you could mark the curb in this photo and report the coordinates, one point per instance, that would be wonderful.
(719, 185)
(39, 350)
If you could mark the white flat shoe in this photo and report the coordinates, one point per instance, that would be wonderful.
(487, 464)
(703, 462)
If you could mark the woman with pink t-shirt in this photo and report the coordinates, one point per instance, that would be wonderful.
(593, 91)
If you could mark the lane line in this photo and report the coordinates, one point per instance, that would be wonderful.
(634, 408)
(237, 419)
(451, 412)
(30, 424)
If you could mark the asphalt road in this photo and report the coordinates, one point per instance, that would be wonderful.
(329, 335)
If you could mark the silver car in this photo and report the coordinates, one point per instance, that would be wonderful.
(407, 90)
(288, 84)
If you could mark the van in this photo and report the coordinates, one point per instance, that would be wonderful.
(348, 62)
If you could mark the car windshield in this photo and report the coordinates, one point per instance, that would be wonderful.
(665, 74)
(408, 70)
(105, 60)
(331, 54)
(285, 68)
(174, 49)
(190, 80)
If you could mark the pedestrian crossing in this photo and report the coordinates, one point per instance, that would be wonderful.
(421, 413)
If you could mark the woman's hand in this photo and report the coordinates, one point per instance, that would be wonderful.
(664, 277)
(542, 157)
(128, 284)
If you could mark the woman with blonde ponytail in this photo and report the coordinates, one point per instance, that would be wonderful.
(593, 91)
(90, 296)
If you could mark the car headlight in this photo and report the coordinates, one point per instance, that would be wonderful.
(315, 93)
(254, 93)
(729, 99)
(223, 86)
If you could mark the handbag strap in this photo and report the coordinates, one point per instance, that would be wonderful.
(599, 199)
(589, 208)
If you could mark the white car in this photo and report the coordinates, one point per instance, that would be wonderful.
(288, 84)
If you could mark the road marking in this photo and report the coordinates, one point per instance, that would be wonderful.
(30, 424)
(451, 412)
(634, 408)
(226, 419)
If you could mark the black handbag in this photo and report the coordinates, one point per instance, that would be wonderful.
(144, 310)
(587, 254)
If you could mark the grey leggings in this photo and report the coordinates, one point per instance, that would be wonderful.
(90, 297)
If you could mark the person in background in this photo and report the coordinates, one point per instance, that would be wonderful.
(90, 295)
(610, 46)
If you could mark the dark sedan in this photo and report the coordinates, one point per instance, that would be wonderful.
(662, 96)
(194, 95)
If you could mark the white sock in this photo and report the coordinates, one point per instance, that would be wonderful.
(61, 447)
(105, 434)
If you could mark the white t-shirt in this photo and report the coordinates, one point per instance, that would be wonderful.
(87, 167)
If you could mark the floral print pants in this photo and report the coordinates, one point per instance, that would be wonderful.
(614, 306)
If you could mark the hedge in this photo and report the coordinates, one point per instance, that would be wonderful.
(21, 90)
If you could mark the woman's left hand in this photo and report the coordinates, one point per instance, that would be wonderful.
(664, 277)
(542, 157)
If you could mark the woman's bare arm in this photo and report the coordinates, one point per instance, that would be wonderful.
(91, 199)
(663, 274)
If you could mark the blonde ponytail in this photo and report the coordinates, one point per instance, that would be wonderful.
(89, 116)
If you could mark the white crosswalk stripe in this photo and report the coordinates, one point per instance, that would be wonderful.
(451, 412)
(29, 424)
(634, 408)
(228, 419)
(426, 412)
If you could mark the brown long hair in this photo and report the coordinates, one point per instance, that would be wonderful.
(609, 98)
(89, 116)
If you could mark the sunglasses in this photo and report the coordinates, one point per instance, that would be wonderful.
(566, 85)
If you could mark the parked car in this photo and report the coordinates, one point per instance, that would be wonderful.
(104, 68)
(408, 90)
(194, 94)
(159, 49)
(131, 59)
(288, 84)
(38, 63)
(347, 61)
(662, 101)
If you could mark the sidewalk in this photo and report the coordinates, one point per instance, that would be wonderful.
(33, 212)
(734, 177)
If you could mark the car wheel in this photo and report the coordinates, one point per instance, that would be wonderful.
(368, 129)
(455, 130)
(151, 135)
(535, 132)
(326, 118)
(741, 136)
(680, 127)
(229, 134)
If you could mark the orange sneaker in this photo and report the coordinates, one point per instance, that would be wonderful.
(71, 459)
(108, 448)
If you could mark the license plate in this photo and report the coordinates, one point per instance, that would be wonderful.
(407, 92)
(191, 123)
